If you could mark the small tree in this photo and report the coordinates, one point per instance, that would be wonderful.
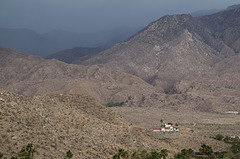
(121, 154)
(144, 154)
(190, 151)
(184, 153)
(219, 137)
(161, 121)
(227, 138)
(69, 154)
(236, 147)
(155, 155)
(206, 150)
(27, 152)
(164, 153)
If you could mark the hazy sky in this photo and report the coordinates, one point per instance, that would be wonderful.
(95, 15)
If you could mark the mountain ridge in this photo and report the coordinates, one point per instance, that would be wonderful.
(140, 54)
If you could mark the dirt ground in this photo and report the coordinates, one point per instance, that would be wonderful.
(196, 128)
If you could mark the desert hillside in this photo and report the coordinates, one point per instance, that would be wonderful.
(30, 75)
(58, 123)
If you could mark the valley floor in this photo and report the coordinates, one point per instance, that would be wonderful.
(196, 128)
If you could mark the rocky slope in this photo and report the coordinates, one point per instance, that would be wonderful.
(32, 75)
(58, 123)
(175, 47)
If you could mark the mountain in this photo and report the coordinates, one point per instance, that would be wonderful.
(205, 12)
(187, 57)
(55, 124)
(31, 75)
(30, 42)
(172, 63)
(213, 11)
(224, 26)
(174, 47)
(70, 55)
(24, 40)
(233, 6)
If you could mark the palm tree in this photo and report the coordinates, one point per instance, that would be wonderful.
(144, 154)
(206, 150)
(184, 153)
(190, 151)
(31, 150)
(125, 155)
(121, 154)
(161, 121)
(179, 156)
(116, 156)
(155, 155)
(164, 153)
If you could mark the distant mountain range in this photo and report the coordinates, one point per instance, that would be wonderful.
(213, 11)
(30, 42)
(205, 12)
(71, 55)
(179, 65)
(178, 61)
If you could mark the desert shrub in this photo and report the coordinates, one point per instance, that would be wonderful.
(219, 137)
(27, 152)
(236, 147)
(69, 154)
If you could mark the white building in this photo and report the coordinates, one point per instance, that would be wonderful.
(166, 128)
(232, 112)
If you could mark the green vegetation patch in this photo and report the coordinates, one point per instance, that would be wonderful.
(111, 104)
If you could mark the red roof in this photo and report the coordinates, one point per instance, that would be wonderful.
(157, 128)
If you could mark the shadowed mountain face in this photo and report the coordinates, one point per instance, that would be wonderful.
(233, 6)
(174, 47)
(225, 26)
(70, 55)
